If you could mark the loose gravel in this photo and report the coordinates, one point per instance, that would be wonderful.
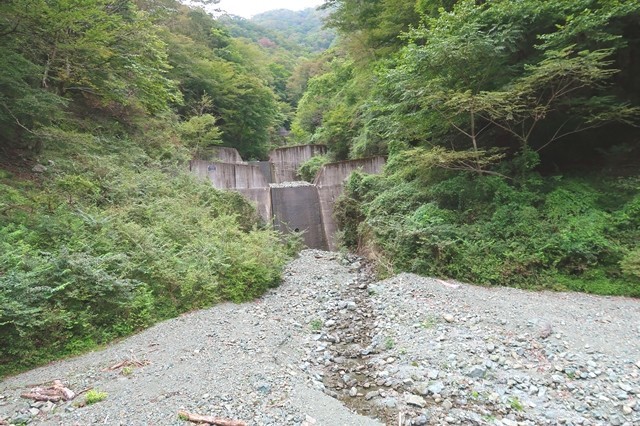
(332, 347)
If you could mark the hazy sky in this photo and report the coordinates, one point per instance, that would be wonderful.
(248, 8)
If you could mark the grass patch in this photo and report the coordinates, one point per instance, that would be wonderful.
(94, 396)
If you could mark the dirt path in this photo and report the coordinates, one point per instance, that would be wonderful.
(329, 344)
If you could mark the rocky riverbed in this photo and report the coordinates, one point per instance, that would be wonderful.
(332, 347)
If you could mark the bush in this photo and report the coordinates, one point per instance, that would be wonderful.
(310, 168)
(534, 232)
(114, 241)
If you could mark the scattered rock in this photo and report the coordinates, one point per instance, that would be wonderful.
(491, 355)
(371, 395)
(477, 371)
(415, 400)
(436, 388)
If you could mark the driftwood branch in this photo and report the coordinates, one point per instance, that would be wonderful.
(54, 393)
(41, 397)
(215, 421)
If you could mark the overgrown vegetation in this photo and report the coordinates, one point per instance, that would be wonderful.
(102, 230)
(94, 396)
(512, 135)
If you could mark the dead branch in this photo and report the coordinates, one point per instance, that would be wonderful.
(41, 397)
(54, 393)
(216, 421)
(131, 362)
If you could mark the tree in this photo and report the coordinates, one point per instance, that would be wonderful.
(107, 49)
(459, 69)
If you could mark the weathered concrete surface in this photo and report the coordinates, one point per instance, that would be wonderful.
(286, 160)
(260, 198)
(307, 208)
(229, 175)
(298, 209)
(243, 178)
(222, 154)
(330, 183)
(266, 167)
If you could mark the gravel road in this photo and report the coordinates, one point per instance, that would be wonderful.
(332, 347)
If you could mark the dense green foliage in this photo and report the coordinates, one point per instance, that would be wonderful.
(115, 236)
(511, 130)
(302, 28)
(102, 230)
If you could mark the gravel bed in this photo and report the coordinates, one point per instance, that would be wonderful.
(331, 347)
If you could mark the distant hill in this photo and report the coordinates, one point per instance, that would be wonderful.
(304, 27)
(266, 37)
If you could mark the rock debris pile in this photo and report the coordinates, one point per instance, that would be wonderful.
(332, 347)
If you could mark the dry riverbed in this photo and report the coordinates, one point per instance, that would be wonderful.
(332, 347)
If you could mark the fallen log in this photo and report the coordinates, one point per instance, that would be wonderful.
(53, 393)
(215, 421)
(41, 397)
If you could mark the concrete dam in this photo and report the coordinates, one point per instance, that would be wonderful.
(279, 194)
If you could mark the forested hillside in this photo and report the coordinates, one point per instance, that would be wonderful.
(304, 28)
(102, 231)
(512, 135)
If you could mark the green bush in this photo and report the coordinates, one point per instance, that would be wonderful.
(115, 239)
(534, 232)
(310, 168)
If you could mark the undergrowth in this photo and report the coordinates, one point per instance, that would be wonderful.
(553, 232)
(114, 236)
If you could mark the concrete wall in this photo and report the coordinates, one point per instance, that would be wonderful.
(298, 208)
(228, 175)
(330, 183)
(305, 207)
(243, 178)
(223, 154)
(261, 199)
(286, 160)
(266, 167)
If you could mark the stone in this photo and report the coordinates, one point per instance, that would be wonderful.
(415, 400)
(421, 420)
(627, 410)
(491, 347)
(308, 421)
(391, 403)
(477, 371)
(433, 374)
(447, 405)
(625, 387)
(371, 395)
(448, 318)
(39, 168)
(615, 421)
(436, 388)
(262, 387)
(34, 411)
(353, 392)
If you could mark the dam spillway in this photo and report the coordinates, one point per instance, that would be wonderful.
(279, 195)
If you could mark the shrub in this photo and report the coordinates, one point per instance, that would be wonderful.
(114, 241)
(310, 168)
(487, 229)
